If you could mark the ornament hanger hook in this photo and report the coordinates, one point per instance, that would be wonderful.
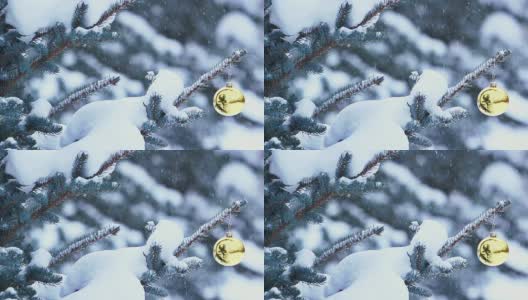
(229, 233)
(493, 82)
(492, 221)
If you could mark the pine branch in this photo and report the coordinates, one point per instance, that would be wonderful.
(78, 15)
(483, 68)
(348, 242)
(111, 162)
(10, 234)
(376, 12)
(112, 12)
(104, 19)
(205, 228)
(235, 57)
(331, 43)
(9, 84)
(348, 92)
(374, 163)
(343, 14)
(370, 167)
(83, 243)
(84, 92)
(473, 226)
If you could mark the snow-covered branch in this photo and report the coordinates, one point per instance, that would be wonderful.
(323, 41)
(471, 227)
(348, 92)
(83, 93)
(375, 12)
(83, 242)
(235, 57)
(500, 57)
(348, 242)
(110, 13)
(374, 163)
(111, 162)
(205, 228)
(369, 168)
(9, 234)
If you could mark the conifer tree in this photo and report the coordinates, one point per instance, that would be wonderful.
(296, 121)
(34, 273)
(371, 202)
(32, 49)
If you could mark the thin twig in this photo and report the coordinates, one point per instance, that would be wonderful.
(111, 162)
(112, 12)
(349, 242)
(83, 93)
(83, 243)
(375, 12)
(348, 92)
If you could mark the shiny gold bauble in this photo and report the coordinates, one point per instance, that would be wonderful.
(493, 101)
(493, 251)
(228, 251)
(229, 101)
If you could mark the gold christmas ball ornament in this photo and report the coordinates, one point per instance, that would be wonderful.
(229, 101)
(228, 251)
(493, 251)
(493, 101)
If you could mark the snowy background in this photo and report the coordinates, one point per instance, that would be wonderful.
(452, 188)
(451, 37)
(188, 38)
(188, 188)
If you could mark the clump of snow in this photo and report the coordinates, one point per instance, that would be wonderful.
(104, 274)
(304, 258)
(389, 116)
(393, 288)
(304, 108)
(40, 258)
(353, 276)
(28, 16)
(107, 285)
(168, 235)
(40, 108)
(364, 129)
(100, 129)
(433, 235)
(91, 267)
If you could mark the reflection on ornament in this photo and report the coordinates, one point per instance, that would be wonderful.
(228, 101)
(228, 251)
(493, 251)
(493, 101)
